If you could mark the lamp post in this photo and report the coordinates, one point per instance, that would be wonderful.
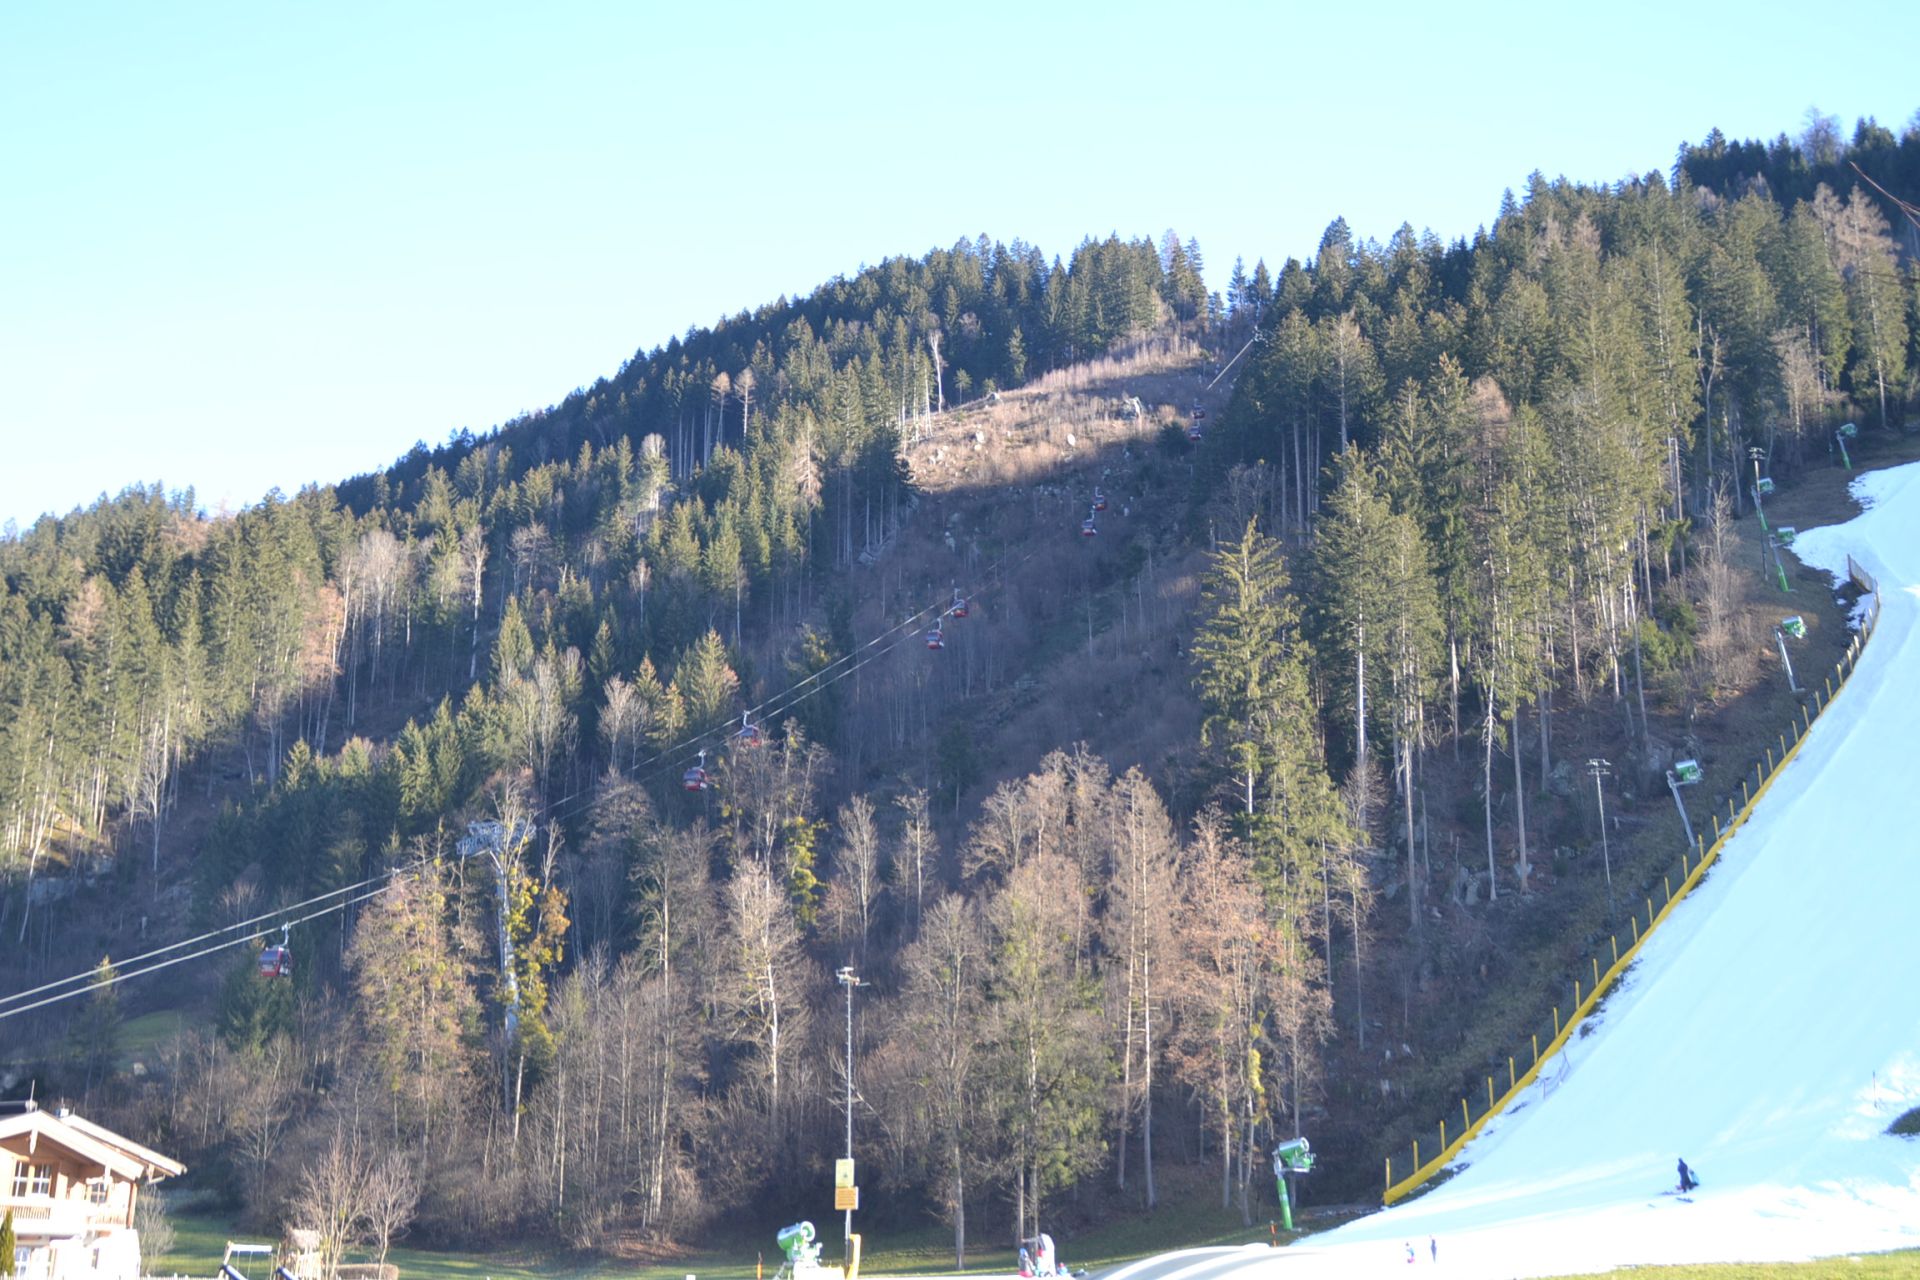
(1599, 769)
(847, 978)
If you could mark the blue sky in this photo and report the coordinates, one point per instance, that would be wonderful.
(253, 245)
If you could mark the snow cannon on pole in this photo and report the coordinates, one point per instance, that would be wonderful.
(1783, 536)
(1685, 773)
(1292, 1156)
(1848, 431)
(1796, 627)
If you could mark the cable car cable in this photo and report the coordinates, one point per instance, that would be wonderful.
(128, 974)
(212, 933)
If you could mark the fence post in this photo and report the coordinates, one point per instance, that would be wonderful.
(1576, 996)
(1443, 1135)
(1668, 882)
(1466, 1118)
(1416, 1155)
(1389, 1173)
(1513, 1079)
(1596, 972)
(1556, 1022)
(1489, 1095)
(1536, 1048)
(1616, 948)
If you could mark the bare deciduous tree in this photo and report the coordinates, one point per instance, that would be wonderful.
(392, 1195)
(331, 1199)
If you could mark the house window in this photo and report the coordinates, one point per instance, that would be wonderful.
(99, 1190)
(33, 1180)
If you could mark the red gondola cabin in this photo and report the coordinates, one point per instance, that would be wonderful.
(276, 962)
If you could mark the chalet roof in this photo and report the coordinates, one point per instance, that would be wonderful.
(91, 1142)
(158, 1166)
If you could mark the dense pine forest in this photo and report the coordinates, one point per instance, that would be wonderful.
(582, 755)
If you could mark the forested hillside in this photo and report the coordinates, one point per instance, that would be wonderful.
(1090, 663)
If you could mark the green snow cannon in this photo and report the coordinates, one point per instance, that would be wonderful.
(1796, 626)
(1764, 486)
(797, 1243)
(1783, 535)
(1848, 431)
(1686, 772)
(1291, 1156)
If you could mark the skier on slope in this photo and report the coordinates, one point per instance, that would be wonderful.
(1687, 1181)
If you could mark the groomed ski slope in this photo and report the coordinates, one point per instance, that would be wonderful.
(1769, 1034)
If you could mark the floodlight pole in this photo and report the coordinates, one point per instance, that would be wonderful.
(1599, 769)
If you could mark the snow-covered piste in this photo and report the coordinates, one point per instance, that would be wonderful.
(1768, 1035)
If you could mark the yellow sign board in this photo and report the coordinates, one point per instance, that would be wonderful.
(845, 1199)
(843, 1173)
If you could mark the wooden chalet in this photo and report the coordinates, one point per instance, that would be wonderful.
(72, 1187)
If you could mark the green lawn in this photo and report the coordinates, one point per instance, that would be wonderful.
(141, 1037)
(201, 1240)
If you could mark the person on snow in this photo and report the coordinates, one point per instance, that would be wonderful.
(1687, 1181)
